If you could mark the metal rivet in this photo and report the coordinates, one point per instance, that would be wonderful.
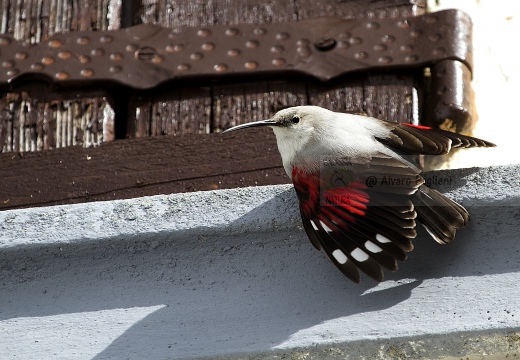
(434, 38)
(405, 24)
(303, 42)
(355, 41)
(83, 59)
(387, 39)
(115, 69)
(37, 66)
(174, 48)
(116, 56)
(4, 40)
(282, 36)
(183, 67)
(208, 46)
(252, 44)
(87, 72)
(83, 40)
(343, 44)
(64, 55)
(55, 43)
(416, 33)
(105, 39)
(380, 47)
(361, 55)
(304, 51)
(203, 33)
(145, 53)
(97, 52)
(251, 65)
(131, 48)
(372, 25)
(325, 44)
(47, 60)
(259, 31)
(220, 67)
(62, 75)
(8, 63)
(278, 62)
(411, 58)
(13, 72)
(233, 52)
(232, 32)
(277, 49)
(21, 56)
(406, 48)
(345, 35)
(385, 60)
(196, 56)
(158, 59)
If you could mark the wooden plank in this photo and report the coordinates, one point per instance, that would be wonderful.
(5, 119)
(139, 167)
(248, 102)
(345, 96)
(34, 21)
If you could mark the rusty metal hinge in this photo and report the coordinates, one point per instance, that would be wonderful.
(144, 56)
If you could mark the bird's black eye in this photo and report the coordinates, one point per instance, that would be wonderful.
(295, 119)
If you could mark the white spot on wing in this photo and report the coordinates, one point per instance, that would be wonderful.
(359, 255)
(382, 239)
(372, 247)
(314, 226)
(325, 227)
(339, 256)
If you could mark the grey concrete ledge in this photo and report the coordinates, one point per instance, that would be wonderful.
(231, 273)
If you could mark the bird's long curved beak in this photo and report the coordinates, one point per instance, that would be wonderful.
(268, 122)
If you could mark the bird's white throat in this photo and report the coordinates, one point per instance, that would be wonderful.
(325, 135)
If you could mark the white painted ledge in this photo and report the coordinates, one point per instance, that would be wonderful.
(230, 272)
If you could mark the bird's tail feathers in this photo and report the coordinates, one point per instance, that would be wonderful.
(440, 215)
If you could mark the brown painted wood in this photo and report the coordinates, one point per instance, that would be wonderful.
(138, 167)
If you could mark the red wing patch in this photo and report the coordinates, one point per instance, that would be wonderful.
(422, 127)
(352, 223)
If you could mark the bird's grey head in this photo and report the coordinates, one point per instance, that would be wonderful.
(294, 128)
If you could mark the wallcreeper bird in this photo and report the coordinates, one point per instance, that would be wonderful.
(359, 195)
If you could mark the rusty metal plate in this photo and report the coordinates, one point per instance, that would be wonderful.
(145, 56)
